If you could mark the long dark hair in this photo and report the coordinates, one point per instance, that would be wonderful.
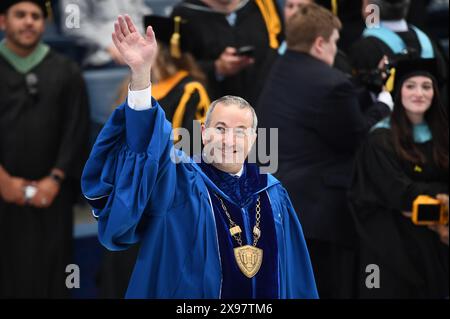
(186, 62)
(402, 130)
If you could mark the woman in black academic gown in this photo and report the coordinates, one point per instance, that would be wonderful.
(405, 155)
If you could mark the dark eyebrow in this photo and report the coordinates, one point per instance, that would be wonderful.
(24, 12)
(240, 126)
(414, 82)
(221, 123)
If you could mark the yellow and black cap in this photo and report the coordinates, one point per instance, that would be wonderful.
(173, 32)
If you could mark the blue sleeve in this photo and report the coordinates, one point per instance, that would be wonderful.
(297, 276)
(129, 176)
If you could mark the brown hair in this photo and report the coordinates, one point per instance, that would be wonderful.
(402, 130)
(308, 23)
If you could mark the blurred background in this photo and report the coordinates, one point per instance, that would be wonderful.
(103, 84)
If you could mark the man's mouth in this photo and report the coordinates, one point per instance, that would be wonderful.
(28, 33)
(229, 151)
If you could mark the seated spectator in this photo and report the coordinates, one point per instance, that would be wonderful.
(406, 155)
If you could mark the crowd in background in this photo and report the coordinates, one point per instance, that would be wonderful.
(351, 155)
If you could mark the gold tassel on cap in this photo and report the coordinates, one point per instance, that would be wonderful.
(48, 7)
(334, 7)
(175, 50)
(390, 82)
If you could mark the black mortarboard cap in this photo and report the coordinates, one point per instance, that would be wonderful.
(171, 31)
(407, 68)
(45, 5)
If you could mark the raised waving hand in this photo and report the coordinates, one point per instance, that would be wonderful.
(137, 51)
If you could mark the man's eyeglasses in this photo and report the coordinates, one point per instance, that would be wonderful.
(238, 131)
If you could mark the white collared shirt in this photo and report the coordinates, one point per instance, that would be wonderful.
(395, 25)
(238, 174)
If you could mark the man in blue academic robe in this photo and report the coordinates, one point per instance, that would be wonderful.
(214, 227)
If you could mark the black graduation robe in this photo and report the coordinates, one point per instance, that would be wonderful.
(183, 99)
(211, 34)
(38, 133)
(412, 260)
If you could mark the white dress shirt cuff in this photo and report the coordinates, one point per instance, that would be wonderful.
(386, 98)
(140, 100)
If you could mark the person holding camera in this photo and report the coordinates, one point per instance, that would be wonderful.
(393, 37)
(406, 155)
(442, 230)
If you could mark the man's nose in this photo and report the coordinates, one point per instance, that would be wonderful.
(229, 138)
(29, 19)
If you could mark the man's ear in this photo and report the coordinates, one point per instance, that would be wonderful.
(203, 133)
(318, 44)
(254, 137)
(251, 139)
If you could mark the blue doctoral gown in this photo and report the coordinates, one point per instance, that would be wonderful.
(140, 194)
